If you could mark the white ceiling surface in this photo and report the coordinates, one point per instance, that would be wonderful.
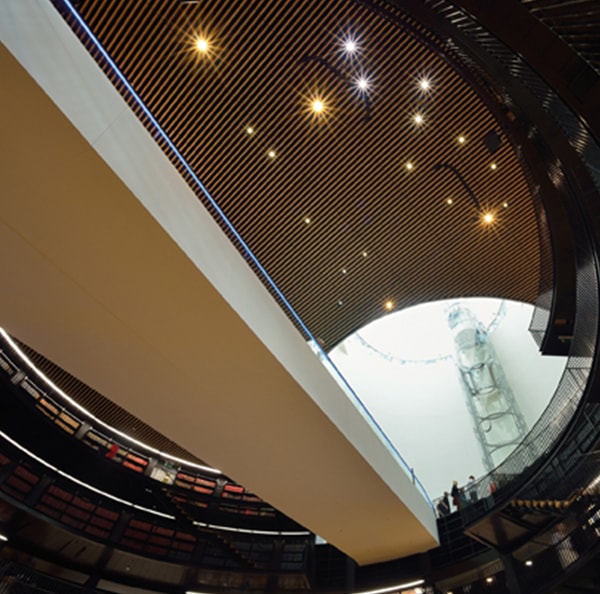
(114, 270)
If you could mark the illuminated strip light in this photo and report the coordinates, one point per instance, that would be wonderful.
(89, 415)
(382, 591)
(78, 482)
(3, 538)
(244, 245)
(250, 531)
(397, 588)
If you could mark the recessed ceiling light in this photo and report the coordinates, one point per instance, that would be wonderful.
(271, 154)
(344, 271)
(349, 45)
(449, 201)
(249, 130)
(362, 84)
(488, 218)
(410, 166)
(307, 220)
(461, 139)
(202, 45)
(389, 305)
(493, 166)
(505, 205)
(418, 119)
(340, 303)
(317, 106)
(424, 84)
(529, 563)
(489, 579)
(364, 254)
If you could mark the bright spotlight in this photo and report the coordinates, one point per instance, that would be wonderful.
(201, 44)
(318, 106)
(362, 84)
(488, 218)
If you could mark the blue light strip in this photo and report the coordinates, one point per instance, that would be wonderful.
(233, 230)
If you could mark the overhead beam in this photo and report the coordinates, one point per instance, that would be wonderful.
(115, 271)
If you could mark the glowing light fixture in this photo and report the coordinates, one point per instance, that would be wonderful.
(364, 254)
(271, 154)
(461, 139)
(488, 218)
(410, 166)
(202, 45)
(362, 84)
(529, 563)
(317, 106)
(418, 119)
(424, 84)
(350, 45)
(3, 538)
(449, 201)
(397, 588)
(489, 579)
(344, 271)
(249, 130)
(505, 205)
(389, 305)
(307, 220)
(493, 166)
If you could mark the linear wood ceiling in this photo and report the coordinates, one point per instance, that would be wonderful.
(345, 172)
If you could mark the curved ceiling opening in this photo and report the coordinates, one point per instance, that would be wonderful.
(454, 384)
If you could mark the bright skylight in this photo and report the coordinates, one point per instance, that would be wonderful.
(402, 366)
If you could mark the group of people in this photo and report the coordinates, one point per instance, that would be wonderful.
(460, 497)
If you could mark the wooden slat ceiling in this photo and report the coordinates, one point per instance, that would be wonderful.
(377, 231)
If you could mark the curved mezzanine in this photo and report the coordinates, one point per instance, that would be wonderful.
(552, 449)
